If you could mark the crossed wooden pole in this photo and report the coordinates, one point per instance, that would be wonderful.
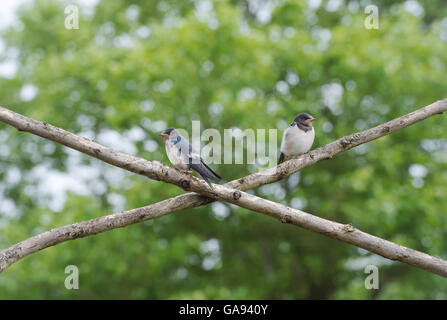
(232, 192)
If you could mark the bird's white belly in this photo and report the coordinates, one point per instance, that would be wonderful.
(295, 141)
(175, 157)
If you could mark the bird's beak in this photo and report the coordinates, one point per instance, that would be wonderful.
(309, 121)
(164, 135)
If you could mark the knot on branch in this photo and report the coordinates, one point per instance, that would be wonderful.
(236, 195)
(347, 142)
(344, 143)
(285, 219)
(348, 228)
(385, 129)
(185, 184)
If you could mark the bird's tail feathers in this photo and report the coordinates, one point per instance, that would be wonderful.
(207, 181)
(205, 171)
(210, 172)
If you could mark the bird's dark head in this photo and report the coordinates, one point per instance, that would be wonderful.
(166, 134)
(304, 119)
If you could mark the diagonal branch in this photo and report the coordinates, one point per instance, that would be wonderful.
(343, 232)
(157, 171)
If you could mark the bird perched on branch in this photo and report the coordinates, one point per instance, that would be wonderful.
(297, 138)
(182, 155)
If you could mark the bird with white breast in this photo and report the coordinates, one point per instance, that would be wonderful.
(297, 138)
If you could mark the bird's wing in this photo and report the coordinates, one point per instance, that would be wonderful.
(186, 151)
(211, 173)
(281, 158)
(205, 171)
(193, 160)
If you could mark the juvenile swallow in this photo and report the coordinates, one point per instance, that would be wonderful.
(297, 138)
(182, 155)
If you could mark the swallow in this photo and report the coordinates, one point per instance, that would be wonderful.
(297, 138)
(182, 155)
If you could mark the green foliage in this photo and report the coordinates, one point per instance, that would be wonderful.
(189, 64)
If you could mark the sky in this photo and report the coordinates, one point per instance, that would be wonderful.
(7, 9)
